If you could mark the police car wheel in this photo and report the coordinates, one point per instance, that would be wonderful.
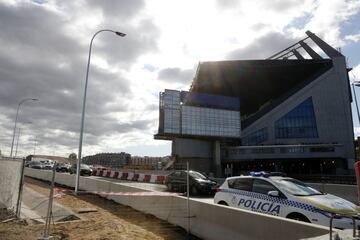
(298, 217)
(223, 203)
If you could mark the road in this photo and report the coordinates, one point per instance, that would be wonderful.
(151, 187)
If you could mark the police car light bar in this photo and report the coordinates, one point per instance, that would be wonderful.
(267, 174)
(259, 174)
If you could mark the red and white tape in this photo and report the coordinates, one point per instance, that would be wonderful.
(130, 176)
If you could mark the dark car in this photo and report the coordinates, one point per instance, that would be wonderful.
(63, 167)
(198, 183)
(84, 170)
(36, 165)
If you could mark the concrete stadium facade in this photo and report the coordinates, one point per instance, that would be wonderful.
(295, 114)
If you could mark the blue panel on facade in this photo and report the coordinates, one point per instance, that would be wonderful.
(255, 138)
(208, 100)
(298, 123)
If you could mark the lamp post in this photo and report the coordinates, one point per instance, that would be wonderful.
(17, 114)
(17, 141)
(34, 144)
(84, 103)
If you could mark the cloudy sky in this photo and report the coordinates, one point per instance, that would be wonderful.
(44, 47)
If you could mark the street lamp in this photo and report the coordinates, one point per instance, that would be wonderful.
(17, 141)
(84, 103)
(17, 114)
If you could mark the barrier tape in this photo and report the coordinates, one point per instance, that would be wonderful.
(156, 193)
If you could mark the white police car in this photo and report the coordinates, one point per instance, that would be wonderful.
(285, 197)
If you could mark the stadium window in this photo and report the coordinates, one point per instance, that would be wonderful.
(298, 123)
(255, 138)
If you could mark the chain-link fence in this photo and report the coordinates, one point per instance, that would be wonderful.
(11, 172)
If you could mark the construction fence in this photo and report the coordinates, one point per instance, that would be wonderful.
(11, 177)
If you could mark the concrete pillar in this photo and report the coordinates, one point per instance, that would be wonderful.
(310, 51)
(330, 51)
(217, 159)
(297, 54)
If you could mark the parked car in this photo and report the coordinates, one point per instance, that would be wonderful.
(285, 197)
(198, 183)
(63, 167)
(36, 165)
(84, 170)
(47, 165)
(27, 163)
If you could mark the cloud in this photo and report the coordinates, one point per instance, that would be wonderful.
(43, 54)
(353, 37)
(227, 4)
(122, 10)
(263, 47)
(176, 75)
(327, 18)
(354, 74)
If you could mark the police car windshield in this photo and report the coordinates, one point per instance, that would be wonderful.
(296, 187)
(197, 175)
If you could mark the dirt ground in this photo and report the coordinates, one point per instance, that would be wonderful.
(111, 221)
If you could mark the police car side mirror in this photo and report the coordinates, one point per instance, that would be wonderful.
(273, 193)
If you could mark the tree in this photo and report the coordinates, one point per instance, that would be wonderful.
(72, 156)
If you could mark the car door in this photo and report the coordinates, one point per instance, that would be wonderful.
(175, 180)
(183, 181)
(264, 203)
(240, 189)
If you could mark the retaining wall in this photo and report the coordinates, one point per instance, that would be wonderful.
(207, 221)
(348, 192)
(10, 178)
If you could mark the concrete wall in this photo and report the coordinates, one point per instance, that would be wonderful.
(348, 192)
(192, 148)
(10, 177)
(208, 221)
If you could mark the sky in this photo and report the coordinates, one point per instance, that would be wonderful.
(44, 47)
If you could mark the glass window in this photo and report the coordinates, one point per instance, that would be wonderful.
(196, 175)
(298, 123)
(297, 188)
(262, 186)
(240, 184)
(255, 138)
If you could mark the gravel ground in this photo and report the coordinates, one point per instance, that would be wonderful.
(111, 221)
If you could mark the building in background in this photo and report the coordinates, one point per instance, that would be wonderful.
(146, 162)
(111, 160)
(188, 118)
(295, 114)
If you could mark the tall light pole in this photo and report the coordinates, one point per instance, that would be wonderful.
(17, 141)
(34, 144)
(84, 103)
(16, 118)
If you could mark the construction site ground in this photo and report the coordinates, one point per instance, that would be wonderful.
(110, 221)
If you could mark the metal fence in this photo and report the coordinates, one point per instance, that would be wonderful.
(11, 178)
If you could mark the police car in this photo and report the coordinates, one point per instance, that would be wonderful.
(285, 197)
